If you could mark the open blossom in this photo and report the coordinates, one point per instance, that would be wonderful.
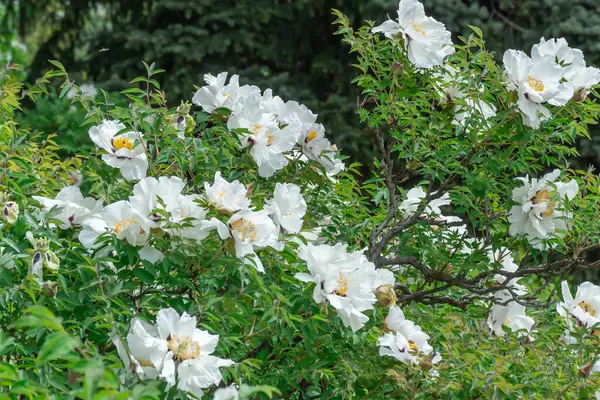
(583, 309)
(316, 146)
(552, 75)
(120, 219)
(413, 199)
(540, 212)
(268, 148)
(426, 40)
(511, 314)
(287, 112)
(287, 207)
(577, 76)
(473, 114)
(343, 279)
(72, 207)
(226, 196)
(406, 342)
(121, 151)
(253, 230)
(217, 93)
(175, 350)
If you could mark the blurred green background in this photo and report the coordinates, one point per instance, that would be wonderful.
(287, 45)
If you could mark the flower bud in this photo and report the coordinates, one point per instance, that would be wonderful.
(580, 95)
(586, 370)
(10, 212)
(184, 108)
(49, 289)
(190, 124)
(397, 68)
(386, 296)
(426, 365)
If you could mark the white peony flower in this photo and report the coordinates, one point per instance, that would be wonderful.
(217, 94)
(511, 315)
(413, 199)
(176, 351)
(427, 40)
(228, 393)
(225, 196)
(252, 230)
(407, 342)
(268, 148)
(148, 191)
(72, 207)
(473, 113)
(343, 279)
(87, 90)
(316, 147)
(290, 112)
(577, 76)
(120, 219)
(539, 212)
(287, 207)
(541, 79)
(583, 309)
(121, 152)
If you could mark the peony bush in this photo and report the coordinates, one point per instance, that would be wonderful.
(225, 248)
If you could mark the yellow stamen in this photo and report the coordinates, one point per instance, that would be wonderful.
(544, 197)
(269, 138)
(255, 128)
(342, 288)
(221, 195)
(535, 84)
(245, 227)
(183, 347)
(587, 308)
(124, 223)
(122, 142)
(412, 345)
(311, 136)
(145, 363)
(419, 29)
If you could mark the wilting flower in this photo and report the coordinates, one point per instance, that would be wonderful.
(253, 230)
(176, 351)
(120, 219)
(343, 279)
(121, 150)
(406, 342)
(427, 40)
(10, 209)
(287, 207)
(42, 257)
(583, 310)
(226, 196)
(540, 212)
(72, 207)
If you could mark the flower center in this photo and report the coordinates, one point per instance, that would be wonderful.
(535, 84)
(419, 29)
(544, 197)
(587, 308)
(412, 346)
(255, 128)
(183, 347)
(342, 288)
(124, 223)
(122, 143)
(269, 139)
(145, 363)
(245, 228)
(311, 136)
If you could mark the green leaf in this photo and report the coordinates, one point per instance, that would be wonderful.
(57, 64)
(56, 346)
(144, 276)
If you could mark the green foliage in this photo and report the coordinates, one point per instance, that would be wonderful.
(62, 337)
